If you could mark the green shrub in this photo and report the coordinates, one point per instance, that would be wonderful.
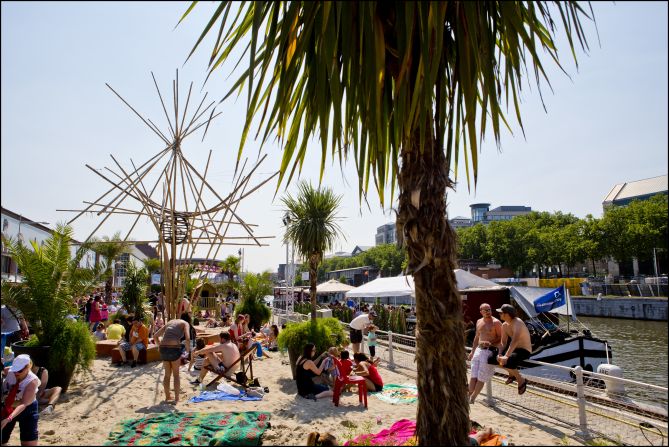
(73, 345)
(324, 332)
(259, 312)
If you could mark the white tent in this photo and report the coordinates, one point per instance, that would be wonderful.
(384, 287)
(333, 286)
(404, 285)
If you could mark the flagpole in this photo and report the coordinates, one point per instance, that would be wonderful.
(566, 293)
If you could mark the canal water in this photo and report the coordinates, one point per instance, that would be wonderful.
(639, 347)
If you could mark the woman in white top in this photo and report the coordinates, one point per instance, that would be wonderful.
(22, 383)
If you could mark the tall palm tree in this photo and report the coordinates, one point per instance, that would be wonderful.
(312, 228)
(231, 267)
(400, 87)
(110, 248)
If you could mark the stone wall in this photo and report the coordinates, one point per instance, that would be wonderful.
(633, 308)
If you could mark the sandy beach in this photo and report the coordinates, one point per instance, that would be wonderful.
(98, 400)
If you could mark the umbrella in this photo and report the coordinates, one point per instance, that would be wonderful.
(333, 286)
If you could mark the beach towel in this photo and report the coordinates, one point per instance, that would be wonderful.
(244, 428)
(398, 394)
(401, 432)
(222, 395)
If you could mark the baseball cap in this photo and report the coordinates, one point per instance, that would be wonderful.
(508, 309)
(20, 362)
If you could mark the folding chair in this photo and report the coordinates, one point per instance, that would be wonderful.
(342, 381)
(246, 360)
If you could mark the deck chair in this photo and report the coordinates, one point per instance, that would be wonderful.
(243, 376)
(341, 381)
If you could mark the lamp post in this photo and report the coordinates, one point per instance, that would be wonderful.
(286, 222)
(19, 237)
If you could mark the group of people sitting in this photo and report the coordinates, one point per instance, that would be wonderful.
(315, 375)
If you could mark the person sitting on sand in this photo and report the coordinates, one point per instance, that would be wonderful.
(306, 370)
(46, 396)
(330, 371)
(365, 367)
(316, 438)
(272, 344)
(100, 333)
(220, 358)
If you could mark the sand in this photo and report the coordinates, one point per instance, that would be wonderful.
(98, 400)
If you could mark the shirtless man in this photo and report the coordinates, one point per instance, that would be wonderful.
(516, 339)
(488, 334)
(220, 357)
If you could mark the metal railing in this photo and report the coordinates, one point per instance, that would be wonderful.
(620, 410)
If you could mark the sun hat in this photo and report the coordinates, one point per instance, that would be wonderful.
(508, 309)
(20, 362)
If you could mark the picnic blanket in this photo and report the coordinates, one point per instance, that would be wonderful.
(222, 395)
(401, 432)
(238, 428)
(398, 394)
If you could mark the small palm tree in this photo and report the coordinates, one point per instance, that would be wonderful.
(312, 227)
(110, 248)
(231, 266)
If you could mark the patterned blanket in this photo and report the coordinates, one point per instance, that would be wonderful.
(398, 394)
(243, 428)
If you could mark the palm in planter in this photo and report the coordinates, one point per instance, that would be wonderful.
(52, 279)
(110, 248)
(312, 227)
(252, 290)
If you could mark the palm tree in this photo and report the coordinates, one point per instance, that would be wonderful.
(110, 248)
(231, 266)
(400, 87)
(312, 227)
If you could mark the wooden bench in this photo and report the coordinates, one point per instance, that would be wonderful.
(151, 354)
(103, 348)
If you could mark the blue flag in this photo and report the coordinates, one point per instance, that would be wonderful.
(554, 298)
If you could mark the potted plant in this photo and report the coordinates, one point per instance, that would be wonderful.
(322, 332)
(52, 279)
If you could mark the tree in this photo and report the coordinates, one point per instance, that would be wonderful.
(134, 290)
(312, 227)
(253, 288)
(110, 248)
(400, 87)
(231, 267)
(472, 243)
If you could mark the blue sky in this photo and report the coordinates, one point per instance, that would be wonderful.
(606, 123)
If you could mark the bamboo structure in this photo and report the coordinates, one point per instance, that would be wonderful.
(176, 203)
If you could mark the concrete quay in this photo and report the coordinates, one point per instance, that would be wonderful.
(636, 308)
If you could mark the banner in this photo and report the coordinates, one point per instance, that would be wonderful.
(554, 298)
(155, 278)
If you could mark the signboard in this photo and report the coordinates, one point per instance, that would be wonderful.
(155, 278)
(305, 276)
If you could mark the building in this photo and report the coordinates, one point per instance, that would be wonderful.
(623, 193)
(481, 213)
(356, 276)
(386, 234)
(19, 227)
(360, 249)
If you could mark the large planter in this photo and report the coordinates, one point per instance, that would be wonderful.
(61, 376)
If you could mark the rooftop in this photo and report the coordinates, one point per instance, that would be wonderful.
(638, 188)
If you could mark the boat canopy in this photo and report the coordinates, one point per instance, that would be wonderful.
(525, 297)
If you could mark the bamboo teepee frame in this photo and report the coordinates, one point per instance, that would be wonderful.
(174, 213)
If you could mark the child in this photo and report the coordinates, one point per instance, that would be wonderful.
(196, 361)
(371, 339)
(330, 371)
(100, 333)
(346, 363)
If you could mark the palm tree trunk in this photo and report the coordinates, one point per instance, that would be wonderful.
(422, 227)
(313, 267)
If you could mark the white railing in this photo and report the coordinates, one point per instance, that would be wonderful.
(634, 415)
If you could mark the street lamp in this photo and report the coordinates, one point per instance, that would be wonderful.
(286, 221)
(19, 237)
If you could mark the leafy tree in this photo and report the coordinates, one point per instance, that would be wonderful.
(135, 290)
(253, 288)
(231, 267)
(312, 227)
(110, 248)
(403, 86)
(472, 242)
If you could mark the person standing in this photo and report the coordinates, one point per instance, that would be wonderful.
(20, 386)
(13, 325)
(356, 326)
(517, 343)
(184, 306)
(95, 314)
(488, 335)
(168, 338)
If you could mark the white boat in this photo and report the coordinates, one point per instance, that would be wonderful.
(559, 338)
